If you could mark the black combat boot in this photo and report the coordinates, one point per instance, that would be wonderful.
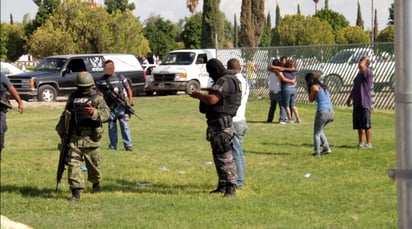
(220, 189)
(97, 188)
(75, 195)
(230, 190)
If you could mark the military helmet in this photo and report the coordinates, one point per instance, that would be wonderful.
(84, 79)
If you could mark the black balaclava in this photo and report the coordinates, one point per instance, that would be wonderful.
(215, 69)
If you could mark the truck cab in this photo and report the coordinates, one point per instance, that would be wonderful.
(182, 70)
(56, 75)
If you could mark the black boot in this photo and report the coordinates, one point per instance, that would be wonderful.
(230, 190)
(75, 195)
(220, 189)
(97, 188)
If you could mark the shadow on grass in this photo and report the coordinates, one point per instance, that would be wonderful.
(29, 191)
(149, 187)
(309, 145)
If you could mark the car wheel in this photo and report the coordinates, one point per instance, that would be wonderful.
(46, 93)
(191, 86)
(149, 93)
(334, 83)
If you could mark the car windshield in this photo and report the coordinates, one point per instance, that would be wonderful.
(51, 64)
(179, 58)
(340, 57)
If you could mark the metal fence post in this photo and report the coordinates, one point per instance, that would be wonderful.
(403, 111)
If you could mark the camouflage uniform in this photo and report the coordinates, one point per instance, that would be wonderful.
(219, 121)
(85, 133)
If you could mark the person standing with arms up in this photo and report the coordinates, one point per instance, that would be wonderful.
(239, 124)
(82, 120)
(115, 88)
(5, 85)
(324, 112)
(361, 95)
(220, 105)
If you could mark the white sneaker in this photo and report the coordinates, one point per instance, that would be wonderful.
(290, 121)
(298, 120)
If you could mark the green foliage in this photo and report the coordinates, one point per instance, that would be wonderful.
(347, 189)
(359, 20)
(161, 35)
(252, 20)
(301, 30)
(336, 20)
(46, 8)
(391, 19)
(352, 35)
(192, 32)
(266, 39)
(235, 33)
(3, 41)
(212, 24)
(227, 32)
(16, 41)
(119, 5)
(387, 34)
(76, 28)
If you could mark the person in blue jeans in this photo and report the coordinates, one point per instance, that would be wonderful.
(289, 93)
(276, 78)
(239, 124)
(324, 113)
(112, 84)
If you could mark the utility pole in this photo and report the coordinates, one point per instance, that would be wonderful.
(403, 111)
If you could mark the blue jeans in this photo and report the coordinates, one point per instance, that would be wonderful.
(119, 114)
(274, 100)
(289, 96)
(321, 119)
(239, 131)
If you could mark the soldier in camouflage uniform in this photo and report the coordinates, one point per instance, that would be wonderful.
(220, 105)
(88, 111)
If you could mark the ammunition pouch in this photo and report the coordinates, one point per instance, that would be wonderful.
(220, 123)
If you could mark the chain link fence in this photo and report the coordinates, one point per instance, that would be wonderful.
(337, 66)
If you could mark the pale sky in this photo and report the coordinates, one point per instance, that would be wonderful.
(174, 10)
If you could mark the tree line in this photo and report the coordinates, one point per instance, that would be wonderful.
(75, 26)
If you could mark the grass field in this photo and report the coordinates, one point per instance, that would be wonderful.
(347, 189)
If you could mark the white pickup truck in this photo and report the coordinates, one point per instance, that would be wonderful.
(339, 71)
(182, 70)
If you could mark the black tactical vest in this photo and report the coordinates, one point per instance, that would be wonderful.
(80, 115)
(231, 99)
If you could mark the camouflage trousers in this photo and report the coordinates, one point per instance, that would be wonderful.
(221, 143)
(92, 159)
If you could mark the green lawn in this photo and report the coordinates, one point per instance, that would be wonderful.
(347, 189)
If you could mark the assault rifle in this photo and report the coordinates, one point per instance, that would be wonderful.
(63, 147)
(7, 105)
(115, 97)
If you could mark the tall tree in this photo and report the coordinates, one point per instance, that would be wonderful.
(299, 9)
(3, 41)
(74, 27)
(335, 19)
(316, 5)
(191, 5)
(387, 34)
(300, 30)
(252, 19)
(267, 33)
(46, 7)
(326, 4)
(192, 31)
(277, 16)
(359, 20)
(16, 41)
(212, 24)
(375, 26)
(391, 15)
(122, 5)
(235, 33)
(352, 35)
(161, 34)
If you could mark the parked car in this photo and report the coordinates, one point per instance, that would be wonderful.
(9, 69)
(339, 71)
(148, 68)
(56, 75)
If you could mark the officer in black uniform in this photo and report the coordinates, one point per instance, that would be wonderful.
(220, 105)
